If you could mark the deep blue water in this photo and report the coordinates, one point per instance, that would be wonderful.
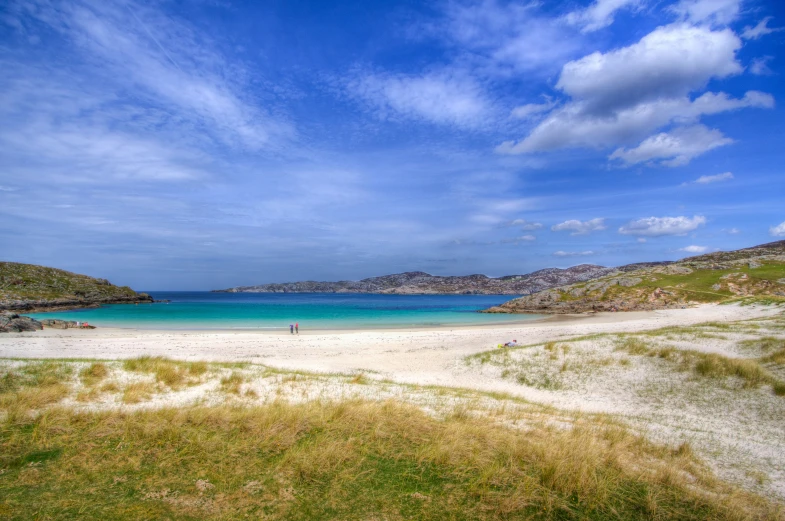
(204, 310)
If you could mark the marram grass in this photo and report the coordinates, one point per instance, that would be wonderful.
(347, 461)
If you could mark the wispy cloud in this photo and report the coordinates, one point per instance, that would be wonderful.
(659, 226)
(694, 249)
(561, 253)
(762, 29)
(599, 14)
(580, 227)
(443, 97)
(707, 179)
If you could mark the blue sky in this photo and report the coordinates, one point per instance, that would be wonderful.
(207, 144)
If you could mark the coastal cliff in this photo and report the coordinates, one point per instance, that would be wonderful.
(418, 282)
(27, 287)
(714, 277)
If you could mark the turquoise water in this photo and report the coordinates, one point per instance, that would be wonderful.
(204, 310)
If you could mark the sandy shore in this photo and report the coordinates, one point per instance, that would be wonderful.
(737, 429)
(420, 356)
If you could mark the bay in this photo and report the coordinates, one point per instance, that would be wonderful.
(275, 311)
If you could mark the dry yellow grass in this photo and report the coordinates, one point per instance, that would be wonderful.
(138, 392)
(169, 372)
(351, 460)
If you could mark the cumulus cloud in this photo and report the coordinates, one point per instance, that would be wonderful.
(443, 97)
(762, 29)
(580, 227)
(659, 226)
(778, 231)
(624, 95)
(572, 253)
(693, 249)
(670, 61)
(717, 12)
(598, 15)
(706, 179)
(674, 148)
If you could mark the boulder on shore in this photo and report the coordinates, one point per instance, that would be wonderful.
(13, 323)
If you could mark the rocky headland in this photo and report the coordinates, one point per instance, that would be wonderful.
(421, 283)
(757, 272)
(32, 288)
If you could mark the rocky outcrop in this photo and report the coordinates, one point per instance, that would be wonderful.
(27, 287)
(418, 282)
(13, 323)
(652, 286)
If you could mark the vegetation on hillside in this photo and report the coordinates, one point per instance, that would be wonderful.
(718, 277)
(27, 285)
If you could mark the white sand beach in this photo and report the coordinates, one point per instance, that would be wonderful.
(419, 356)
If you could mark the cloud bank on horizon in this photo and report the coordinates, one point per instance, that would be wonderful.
(212, 144)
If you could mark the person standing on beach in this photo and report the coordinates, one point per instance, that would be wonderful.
(297, 327)
(291, 329)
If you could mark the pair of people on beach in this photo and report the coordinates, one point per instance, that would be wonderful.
(294, 328)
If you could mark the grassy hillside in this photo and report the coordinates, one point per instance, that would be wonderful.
(717, 277)
(27, 285)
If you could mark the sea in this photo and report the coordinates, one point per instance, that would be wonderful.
(276, 311)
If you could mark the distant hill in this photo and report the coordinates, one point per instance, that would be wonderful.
(27, 287)
(418, 282)
(714, 277)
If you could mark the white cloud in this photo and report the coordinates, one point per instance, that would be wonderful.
(732, 231)
(444, 97)
(580, 227)
(641, 240)
(532, 110)
(7, 189)
(525, 225)
(762, 29)
(572, 253)
(518, 240)
(706, 179)
(718, 12)
(598, 15)
(501, 38)
(694, 249)
(674, 148)
(167, 63)
(572, 127)
(778, 231)
(659, 226)
(671, 61)
(622, 96)
(760, 67)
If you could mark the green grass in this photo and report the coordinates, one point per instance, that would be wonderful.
(346, 461)
(28, 281)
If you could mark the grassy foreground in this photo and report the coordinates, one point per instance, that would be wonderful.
(352, 460)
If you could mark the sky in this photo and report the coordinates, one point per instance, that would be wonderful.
(197, 144)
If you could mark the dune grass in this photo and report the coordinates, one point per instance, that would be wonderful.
(172, 373)
(710, 365)
(33, 385)
(348, 461)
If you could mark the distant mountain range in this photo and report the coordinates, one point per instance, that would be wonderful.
(418, 282)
